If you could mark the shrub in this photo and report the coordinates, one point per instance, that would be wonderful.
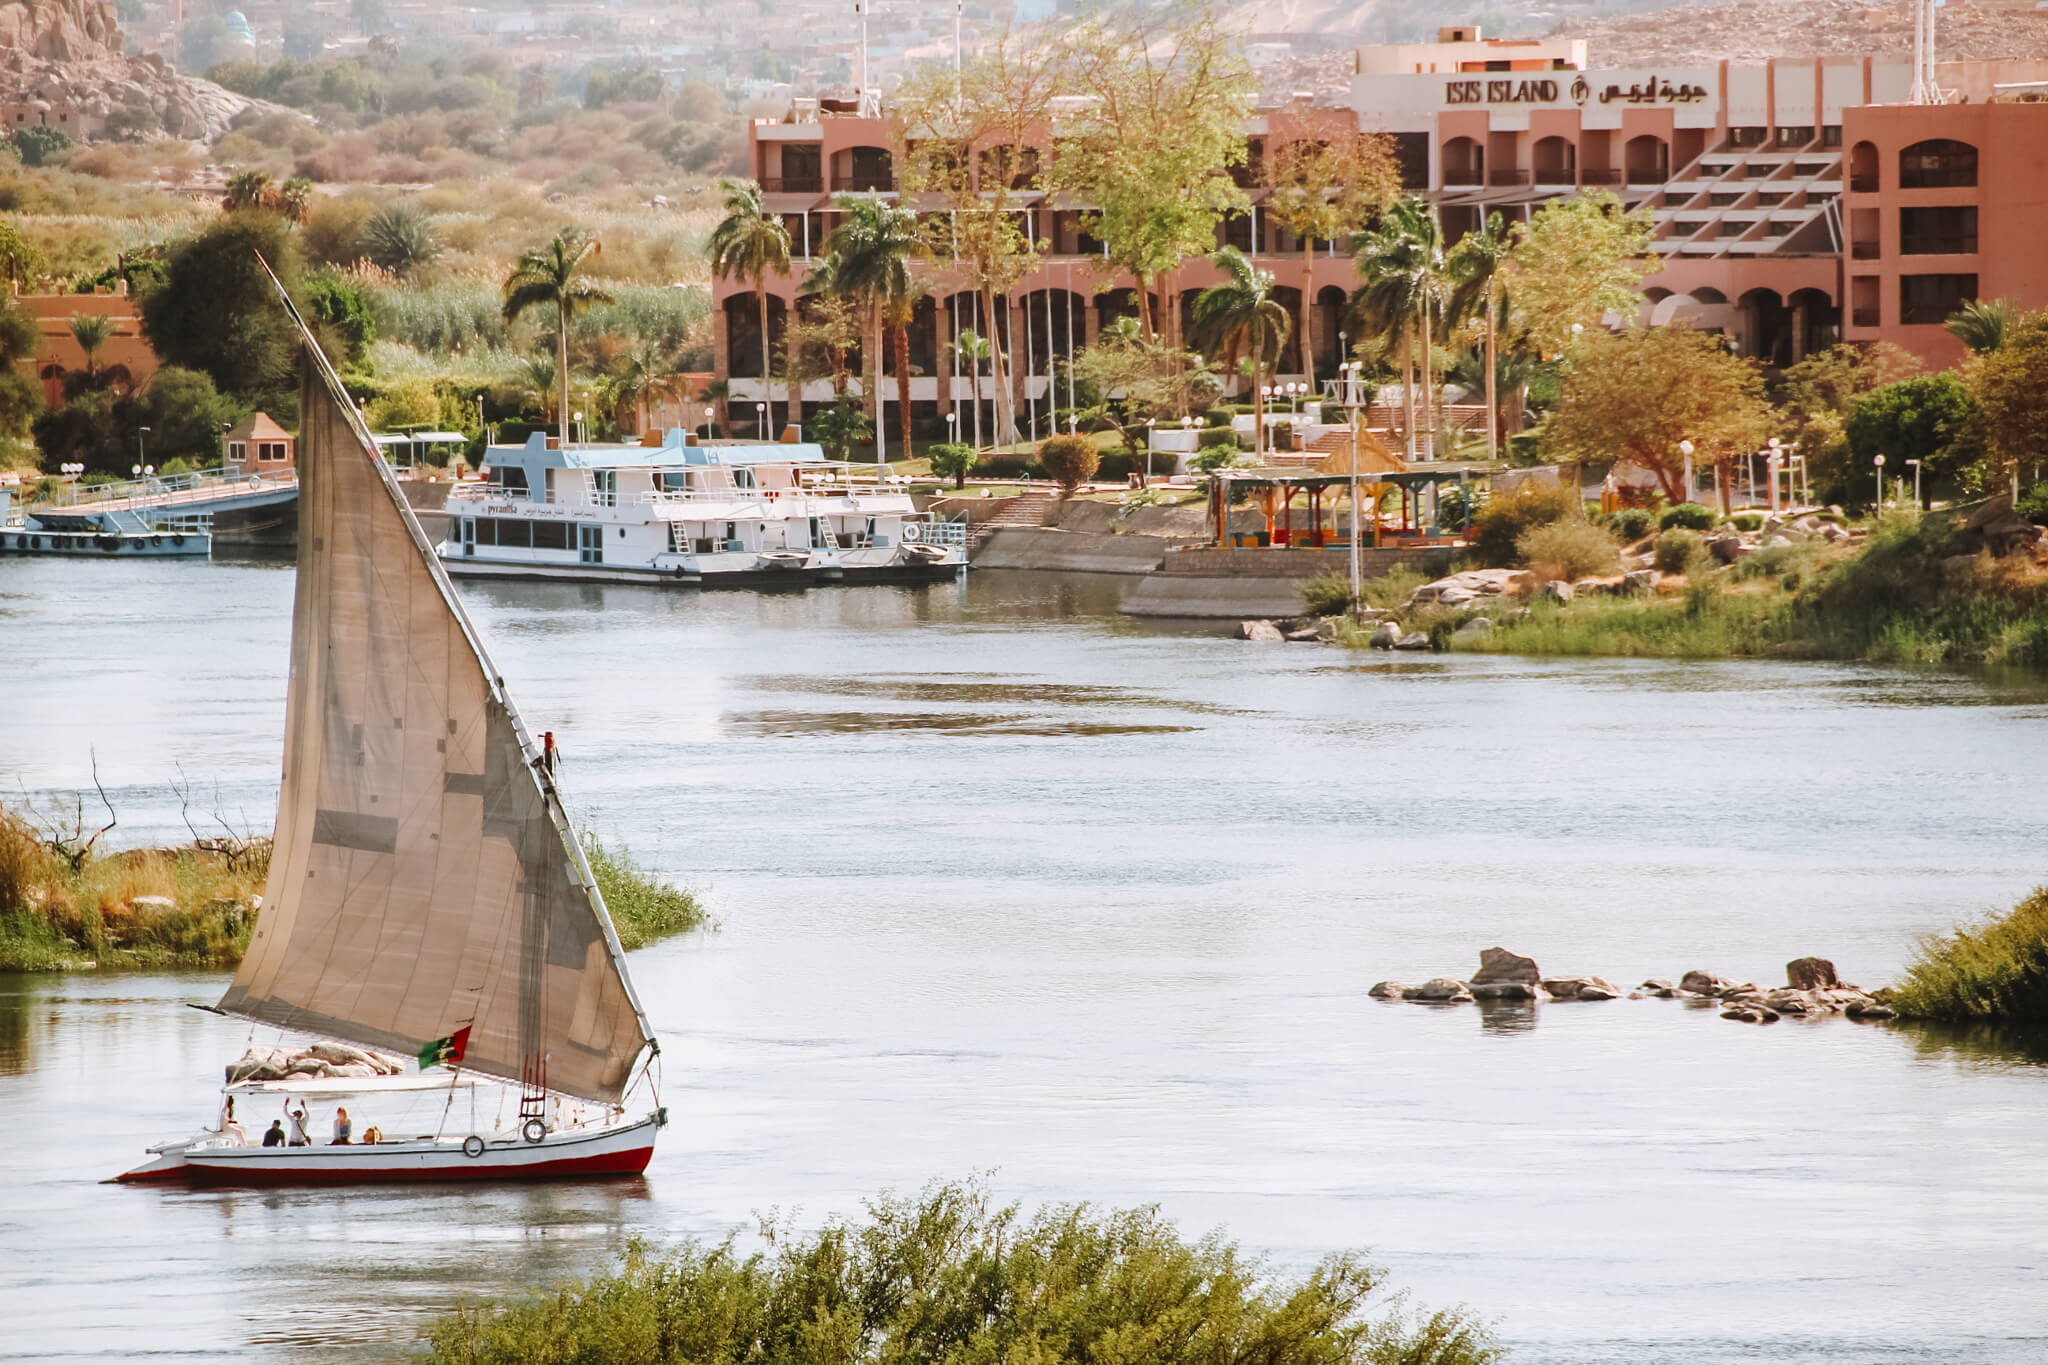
(1283, 435)
(952, 460)
(1630, 523)
(949, 1275)
(1678, 550)
(1685, 516)
(1217, 438)
(1572, 548)
(1327, 594)
(1216, 417)
(1008, 467)
(643, 907)
(2033, 504)
(1069, 460)
(1497, 530)
(1748, 521)
(1390, 590)
(39, 144)
(1996, 970)
(1212, 458)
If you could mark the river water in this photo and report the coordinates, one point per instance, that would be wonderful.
(1008, 883)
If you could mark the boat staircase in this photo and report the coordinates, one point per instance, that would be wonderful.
(1026, 509)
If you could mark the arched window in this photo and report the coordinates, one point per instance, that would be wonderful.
(1556, 161)
(1647, 160)
(1863, 168)
(1464, 162)
(1938, 164)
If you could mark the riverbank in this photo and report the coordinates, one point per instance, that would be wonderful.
(1916, 592)
(66, 906)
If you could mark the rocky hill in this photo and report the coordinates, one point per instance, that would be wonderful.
(66, 55)
(1700, 33)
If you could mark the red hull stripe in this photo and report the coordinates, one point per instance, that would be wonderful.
(632, 1161)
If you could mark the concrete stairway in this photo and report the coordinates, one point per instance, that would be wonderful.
(1026, 509)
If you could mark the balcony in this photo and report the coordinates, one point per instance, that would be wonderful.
(794, 184)
(1646, 175)
(1863, 251)
(1507, 177)
(1863, 183)
(1863, 317)
(1600, 177)
(861, 182)
(1464, 175)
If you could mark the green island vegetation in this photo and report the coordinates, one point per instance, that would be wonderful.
(1994, 971)
(65, 904)
(948, 1276)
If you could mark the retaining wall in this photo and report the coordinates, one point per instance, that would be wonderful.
(1027, 547)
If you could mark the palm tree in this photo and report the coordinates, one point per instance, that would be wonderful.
(1240, 317)
(971, 351)
(1475, 263)
(249, 190)
(1982, 325)
(295, 199)
(400, 238)
(541, 376)
(649, 372)
(92, 331)
(551, 276)
(749, 242)
(871, 251)
(1402, 261)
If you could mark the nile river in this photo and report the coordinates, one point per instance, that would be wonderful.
(1011, 884)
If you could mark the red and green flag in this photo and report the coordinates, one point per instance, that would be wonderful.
(445, 1051)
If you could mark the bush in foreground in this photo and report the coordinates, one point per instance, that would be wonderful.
(1497, 530)
(1573, 549)
(1678, 550)
(1069, 461)
(1327, 594)
(947, 1277)
(643, 907)
(1993, 971)
(1686, 516)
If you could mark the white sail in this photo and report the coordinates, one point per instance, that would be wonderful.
(424, 877)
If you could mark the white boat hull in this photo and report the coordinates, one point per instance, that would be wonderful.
(617, 1149)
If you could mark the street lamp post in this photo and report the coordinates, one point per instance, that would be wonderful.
(761, 420)
(1878, 464)
(1149, 421)
(1773, 461)
(709, 413)
(141, 440)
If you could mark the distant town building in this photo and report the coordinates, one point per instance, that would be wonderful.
(59, 353)
(1742, 167)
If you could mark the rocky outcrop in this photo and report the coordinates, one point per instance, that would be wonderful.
(65, 57)
(1812, 989)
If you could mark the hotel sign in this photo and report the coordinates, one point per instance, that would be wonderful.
(1546, 91)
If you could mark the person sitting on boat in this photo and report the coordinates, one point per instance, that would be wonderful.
(342, 1129)
(298, 1137)
(231, 1130)
(275, 1136)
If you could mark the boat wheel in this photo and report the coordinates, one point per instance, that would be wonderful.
(472, 1146)
(533, 1130)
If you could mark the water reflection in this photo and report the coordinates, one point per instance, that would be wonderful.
(17, 1021)
(787, 723)
(1980, 1045)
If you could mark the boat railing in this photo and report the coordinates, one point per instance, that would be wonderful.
(947, 533)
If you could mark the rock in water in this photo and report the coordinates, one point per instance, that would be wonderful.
(1498, 964)
(1387, 990)
(1811, 974)
(1258, 630)
(1414, 639)
(1307, 635)
(1477, 626)
(1440, 990)
(1386, 635)
(1702, 983)
(1501, 990)
(1581, 988)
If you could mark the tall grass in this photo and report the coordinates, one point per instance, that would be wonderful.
(468, 312)
(643, 907)
(1994, 971)
(53, 913)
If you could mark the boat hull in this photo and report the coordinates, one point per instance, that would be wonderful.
(107, 544)
(619, 1150)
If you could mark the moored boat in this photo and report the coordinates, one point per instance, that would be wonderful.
(427, 894)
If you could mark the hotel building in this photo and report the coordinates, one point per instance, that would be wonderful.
(1796, 203)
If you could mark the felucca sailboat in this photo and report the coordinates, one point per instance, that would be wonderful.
(427, 894)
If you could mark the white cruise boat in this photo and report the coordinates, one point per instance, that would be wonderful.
(717, 514)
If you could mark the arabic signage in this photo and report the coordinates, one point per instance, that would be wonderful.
(1546, 91)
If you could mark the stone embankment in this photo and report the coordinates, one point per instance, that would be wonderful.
(1811, 989)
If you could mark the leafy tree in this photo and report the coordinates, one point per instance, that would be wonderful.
(749, 243)
(248, 190)
(39, 144)
(639, 84)
(1636, 394)
(20, 398)
(1329, 181)
(952, 460)
(966, 141)
(1141, 379)
(1240, 318)
(551, 276)
(1982, 325)
(1574, 261)
(18, 260)
(217, 311)
(294, 199)
(2010, 386)
(343, 309)
(97, 427)
(1170, 92)
(1924, 418)
(1406, 289)
(840, 426)
(1069, 460)
(872, 249)
(400, 238)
